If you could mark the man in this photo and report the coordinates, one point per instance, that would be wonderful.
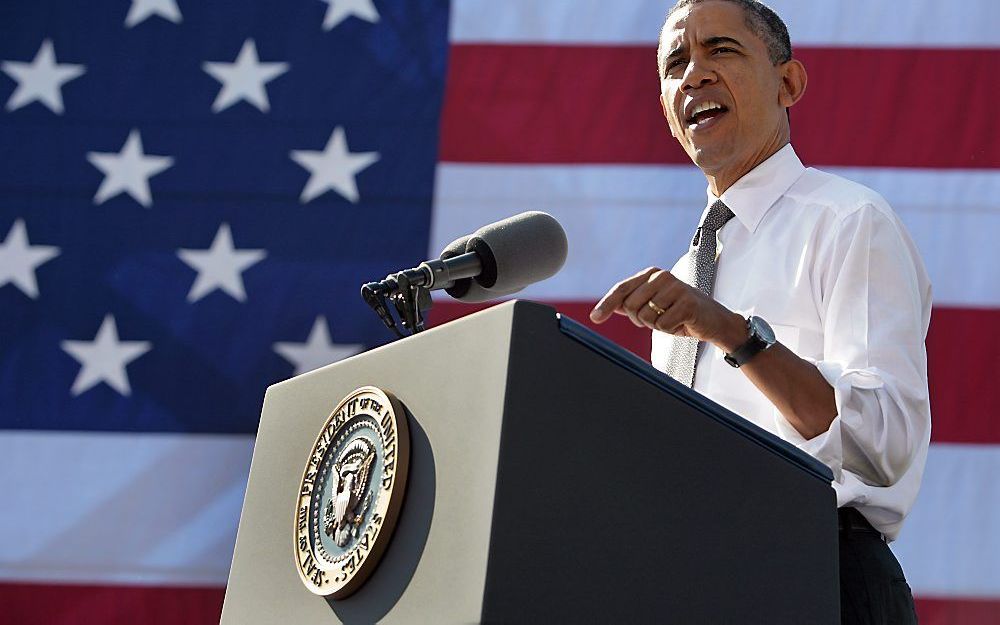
(802, 304)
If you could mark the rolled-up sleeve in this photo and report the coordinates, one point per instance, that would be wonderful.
(874, 299)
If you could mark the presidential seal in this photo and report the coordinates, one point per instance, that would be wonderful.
(351, 492)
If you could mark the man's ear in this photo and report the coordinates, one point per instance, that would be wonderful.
(793, 83)
(664, 108)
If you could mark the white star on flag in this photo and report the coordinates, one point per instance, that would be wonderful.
(141, 10)
(41, 80)
(220, 267)
(18, 259)
(244, 79)
(318, 350)
(333, 168)
(128, 171)
(340, 10)
(104, 359)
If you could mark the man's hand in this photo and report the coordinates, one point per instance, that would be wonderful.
(686, 310)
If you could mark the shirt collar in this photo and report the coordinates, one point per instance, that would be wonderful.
(758, 190)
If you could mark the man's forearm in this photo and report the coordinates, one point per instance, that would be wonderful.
(795, 386)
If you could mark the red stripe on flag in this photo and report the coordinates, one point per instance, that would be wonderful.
(41, 604)
(955, 611)
(963, 356)
(599, 104)
(66, 604)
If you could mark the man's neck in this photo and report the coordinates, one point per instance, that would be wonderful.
(719, 182)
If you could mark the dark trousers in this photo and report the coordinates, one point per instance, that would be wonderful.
(873, 590)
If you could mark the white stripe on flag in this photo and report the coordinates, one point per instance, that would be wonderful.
(950, 545)
(914, 23)
(128, 508)
(622, 218)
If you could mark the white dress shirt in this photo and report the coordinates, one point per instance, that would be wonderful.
(830, 267)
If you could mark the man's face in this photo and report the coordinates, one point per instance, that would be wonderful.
(720, 93)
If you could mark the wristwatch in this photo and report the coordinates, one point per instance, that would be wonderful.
(761, 338)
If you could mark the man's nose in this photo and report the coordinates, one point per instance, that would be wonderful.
(698, 74)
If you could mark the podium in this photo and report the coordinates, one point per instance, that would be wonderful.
(554, 478)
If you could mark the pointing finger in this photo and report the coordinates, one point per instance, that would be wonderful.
(614, 298)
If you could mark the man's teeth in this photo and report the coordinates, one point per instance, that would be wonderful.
(705, 106)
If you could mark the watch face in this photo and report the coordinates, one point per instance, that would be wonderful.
(760, 327)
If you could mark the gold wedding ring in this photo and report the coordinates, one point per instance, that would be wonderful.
(659, 311)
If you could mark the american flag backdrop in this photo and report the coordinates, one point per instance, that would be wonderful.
(192, 192)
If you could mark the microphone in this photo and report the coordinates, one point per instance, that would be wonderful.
(496, 260)
(514, 253)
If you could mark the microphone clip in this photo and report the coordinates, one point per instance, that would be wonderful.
(409, 291)
(408, 297)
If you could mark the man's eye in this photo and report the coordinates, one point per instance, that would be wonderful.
(723, 49)
(675, 63)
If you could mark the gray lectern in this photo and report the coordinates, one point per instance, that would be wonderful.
(554, 478)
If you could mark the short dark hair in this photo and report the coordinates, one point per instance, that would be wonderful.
(760, 19)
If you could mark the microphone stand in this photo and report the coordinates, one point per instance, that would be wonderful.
(411, 302)
(409, 291)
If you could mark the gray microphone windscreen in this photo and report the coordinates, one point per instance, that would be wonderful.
(519, 251)
(458, 288)
(466, 289)
(515, 252)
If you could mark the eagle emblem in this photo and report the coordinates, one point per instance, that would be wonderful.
(349, 493)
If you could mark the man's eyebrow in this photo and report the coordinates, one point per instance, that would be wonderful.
(679, 50)
(710, 42)
(714, 41)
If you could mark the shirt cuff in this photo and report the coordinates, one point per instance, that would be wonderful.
(849, 389)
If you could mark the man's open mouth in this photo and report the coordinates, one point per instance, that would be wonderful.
(705, 112)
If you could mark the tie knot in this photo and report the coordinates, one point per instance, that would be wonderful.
(717, 216)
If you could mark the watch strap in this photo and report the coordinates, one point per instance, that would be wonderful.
(744, 353)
